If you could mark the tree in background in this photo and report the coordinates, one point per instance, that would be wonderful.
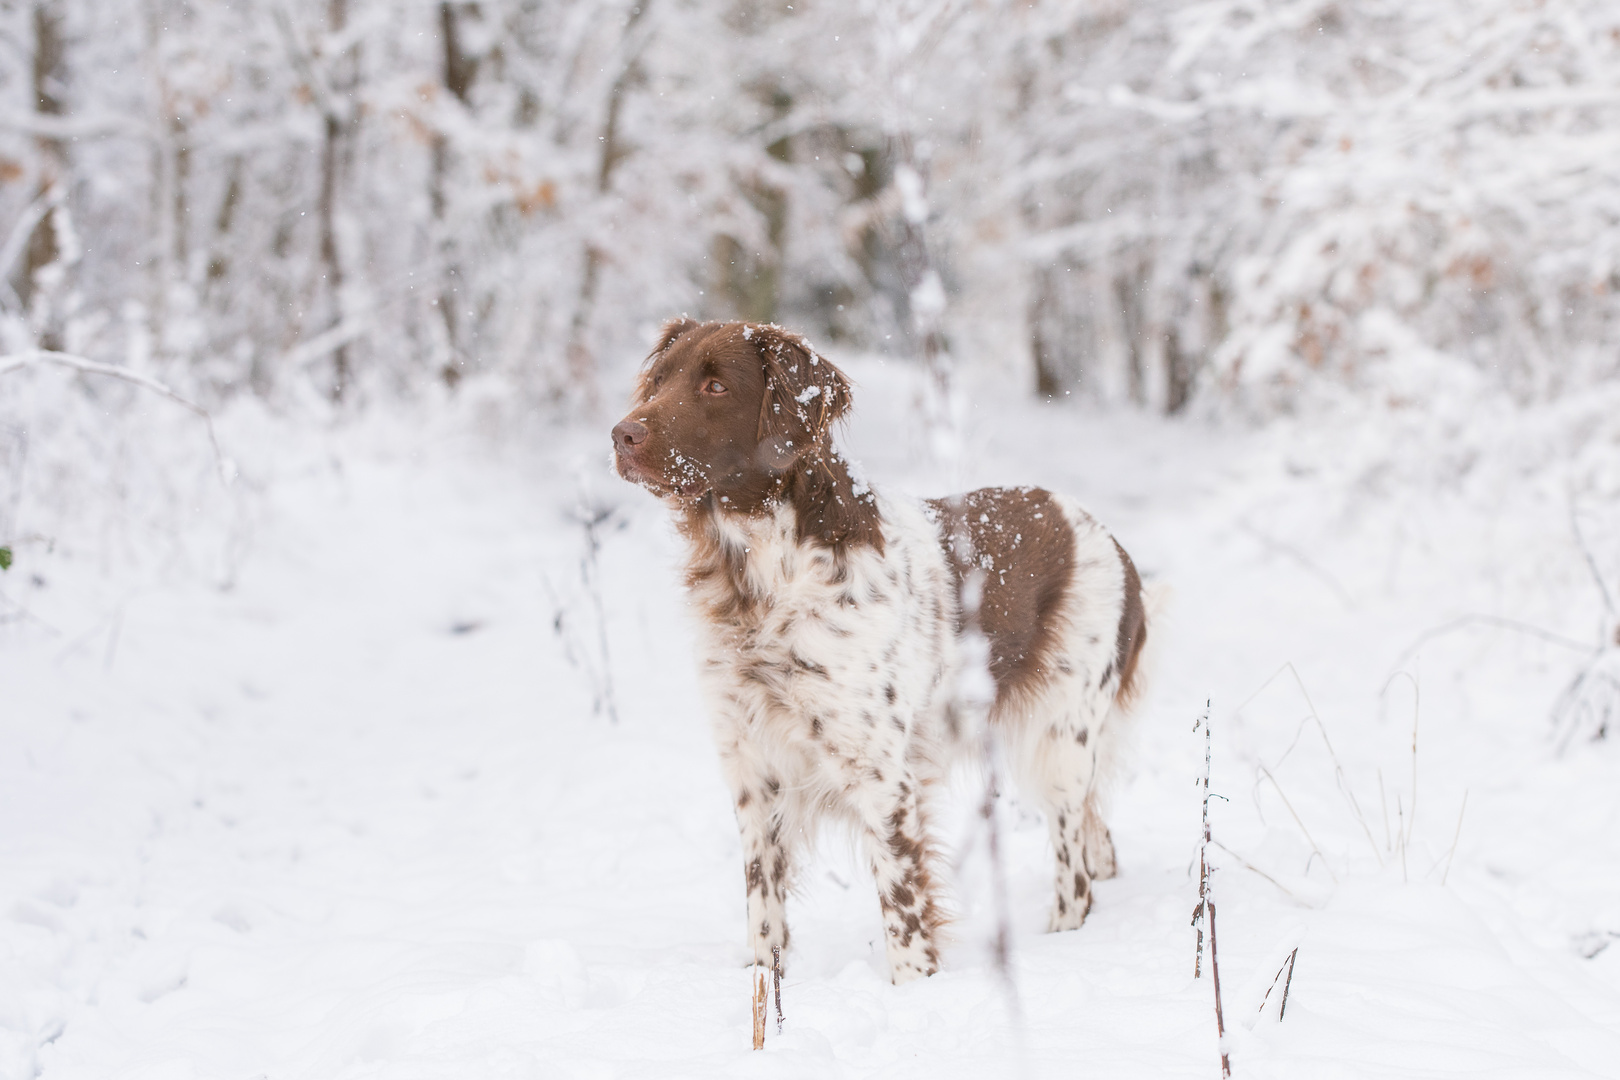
(1231, 203)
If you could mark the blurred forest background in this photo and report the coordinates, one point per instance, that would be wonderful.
(1226, 204)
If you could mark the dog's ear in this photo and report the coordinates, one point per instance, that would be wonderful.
(804, 394)
(671, 330)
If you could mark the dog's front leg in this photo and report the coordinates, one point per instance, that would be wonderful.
(767, 865)
(897, 847)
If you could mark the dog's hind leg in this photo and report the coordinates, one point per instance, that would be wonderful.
(1058, 762)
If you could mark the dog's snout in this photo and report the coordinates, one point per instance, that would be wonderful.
(628, 434)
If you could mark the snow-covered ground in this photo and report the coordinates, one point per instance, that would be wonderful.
(356, 816)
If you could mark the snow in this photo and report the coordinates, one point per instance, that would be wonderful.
(356, 815)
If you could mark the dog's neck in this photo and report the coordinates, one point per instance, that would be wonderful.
(817, 509)
(830, 508)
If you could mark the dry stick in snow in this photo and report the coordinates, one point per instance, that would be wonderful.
(33, 357)
(1204, 913)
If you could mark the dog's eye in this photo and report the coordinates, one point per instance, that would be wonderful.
(714, 388)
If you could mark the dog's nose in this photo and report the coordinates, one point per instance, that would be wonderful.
(628, 434)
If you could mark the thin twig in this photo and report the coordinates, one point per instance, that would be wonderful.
(1253, 869)
(1215, 977)
(1341, 779)
(591, 518)
(1463, 622)
(1303, 560)
(1204, 913)
(1201, 907)
(1283, 1006)
(33, 357)
(1400, 834)
(776, 983)
(1591, 560)
(1411, 818)
(1383, 806)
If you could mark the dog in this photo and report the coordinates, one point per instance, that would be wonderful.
(834, 627)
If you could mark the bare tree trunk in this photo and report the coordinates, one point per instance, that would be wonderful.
(1049, 374)
(925, 289)
(342, 117)
(42, 249)
(458, 72)
(581, 358)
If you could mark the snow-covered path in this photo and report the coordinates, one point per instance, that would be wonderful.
(355, 817)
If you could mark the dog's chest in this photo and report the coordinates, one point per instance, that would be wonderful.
(849, 657)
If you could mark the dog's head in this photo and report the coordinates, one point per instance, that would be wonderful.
(727, 408)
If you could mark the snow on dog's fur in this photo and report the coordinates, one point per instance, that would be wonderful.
(832, 621)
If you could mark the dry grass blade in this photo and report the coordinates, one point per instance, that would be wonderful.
(1339, 776)
(1265, 772)
(1253, 869)
(1451, 854)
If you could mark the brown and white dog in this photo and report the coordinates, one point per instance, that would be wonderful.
(833, 625)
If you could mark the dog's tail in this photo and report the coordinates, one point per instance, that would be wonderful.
(1141, 638)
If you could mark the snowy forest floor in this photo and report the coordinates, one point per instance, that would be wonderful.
(355, 815)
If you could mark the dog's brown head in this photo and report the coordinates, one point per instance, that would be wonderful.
(728, 408)
(737, 415)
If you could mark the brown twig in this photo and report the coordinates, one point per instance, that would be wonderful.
(1283, 1005)
(1215, 977)
(1204, 913)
